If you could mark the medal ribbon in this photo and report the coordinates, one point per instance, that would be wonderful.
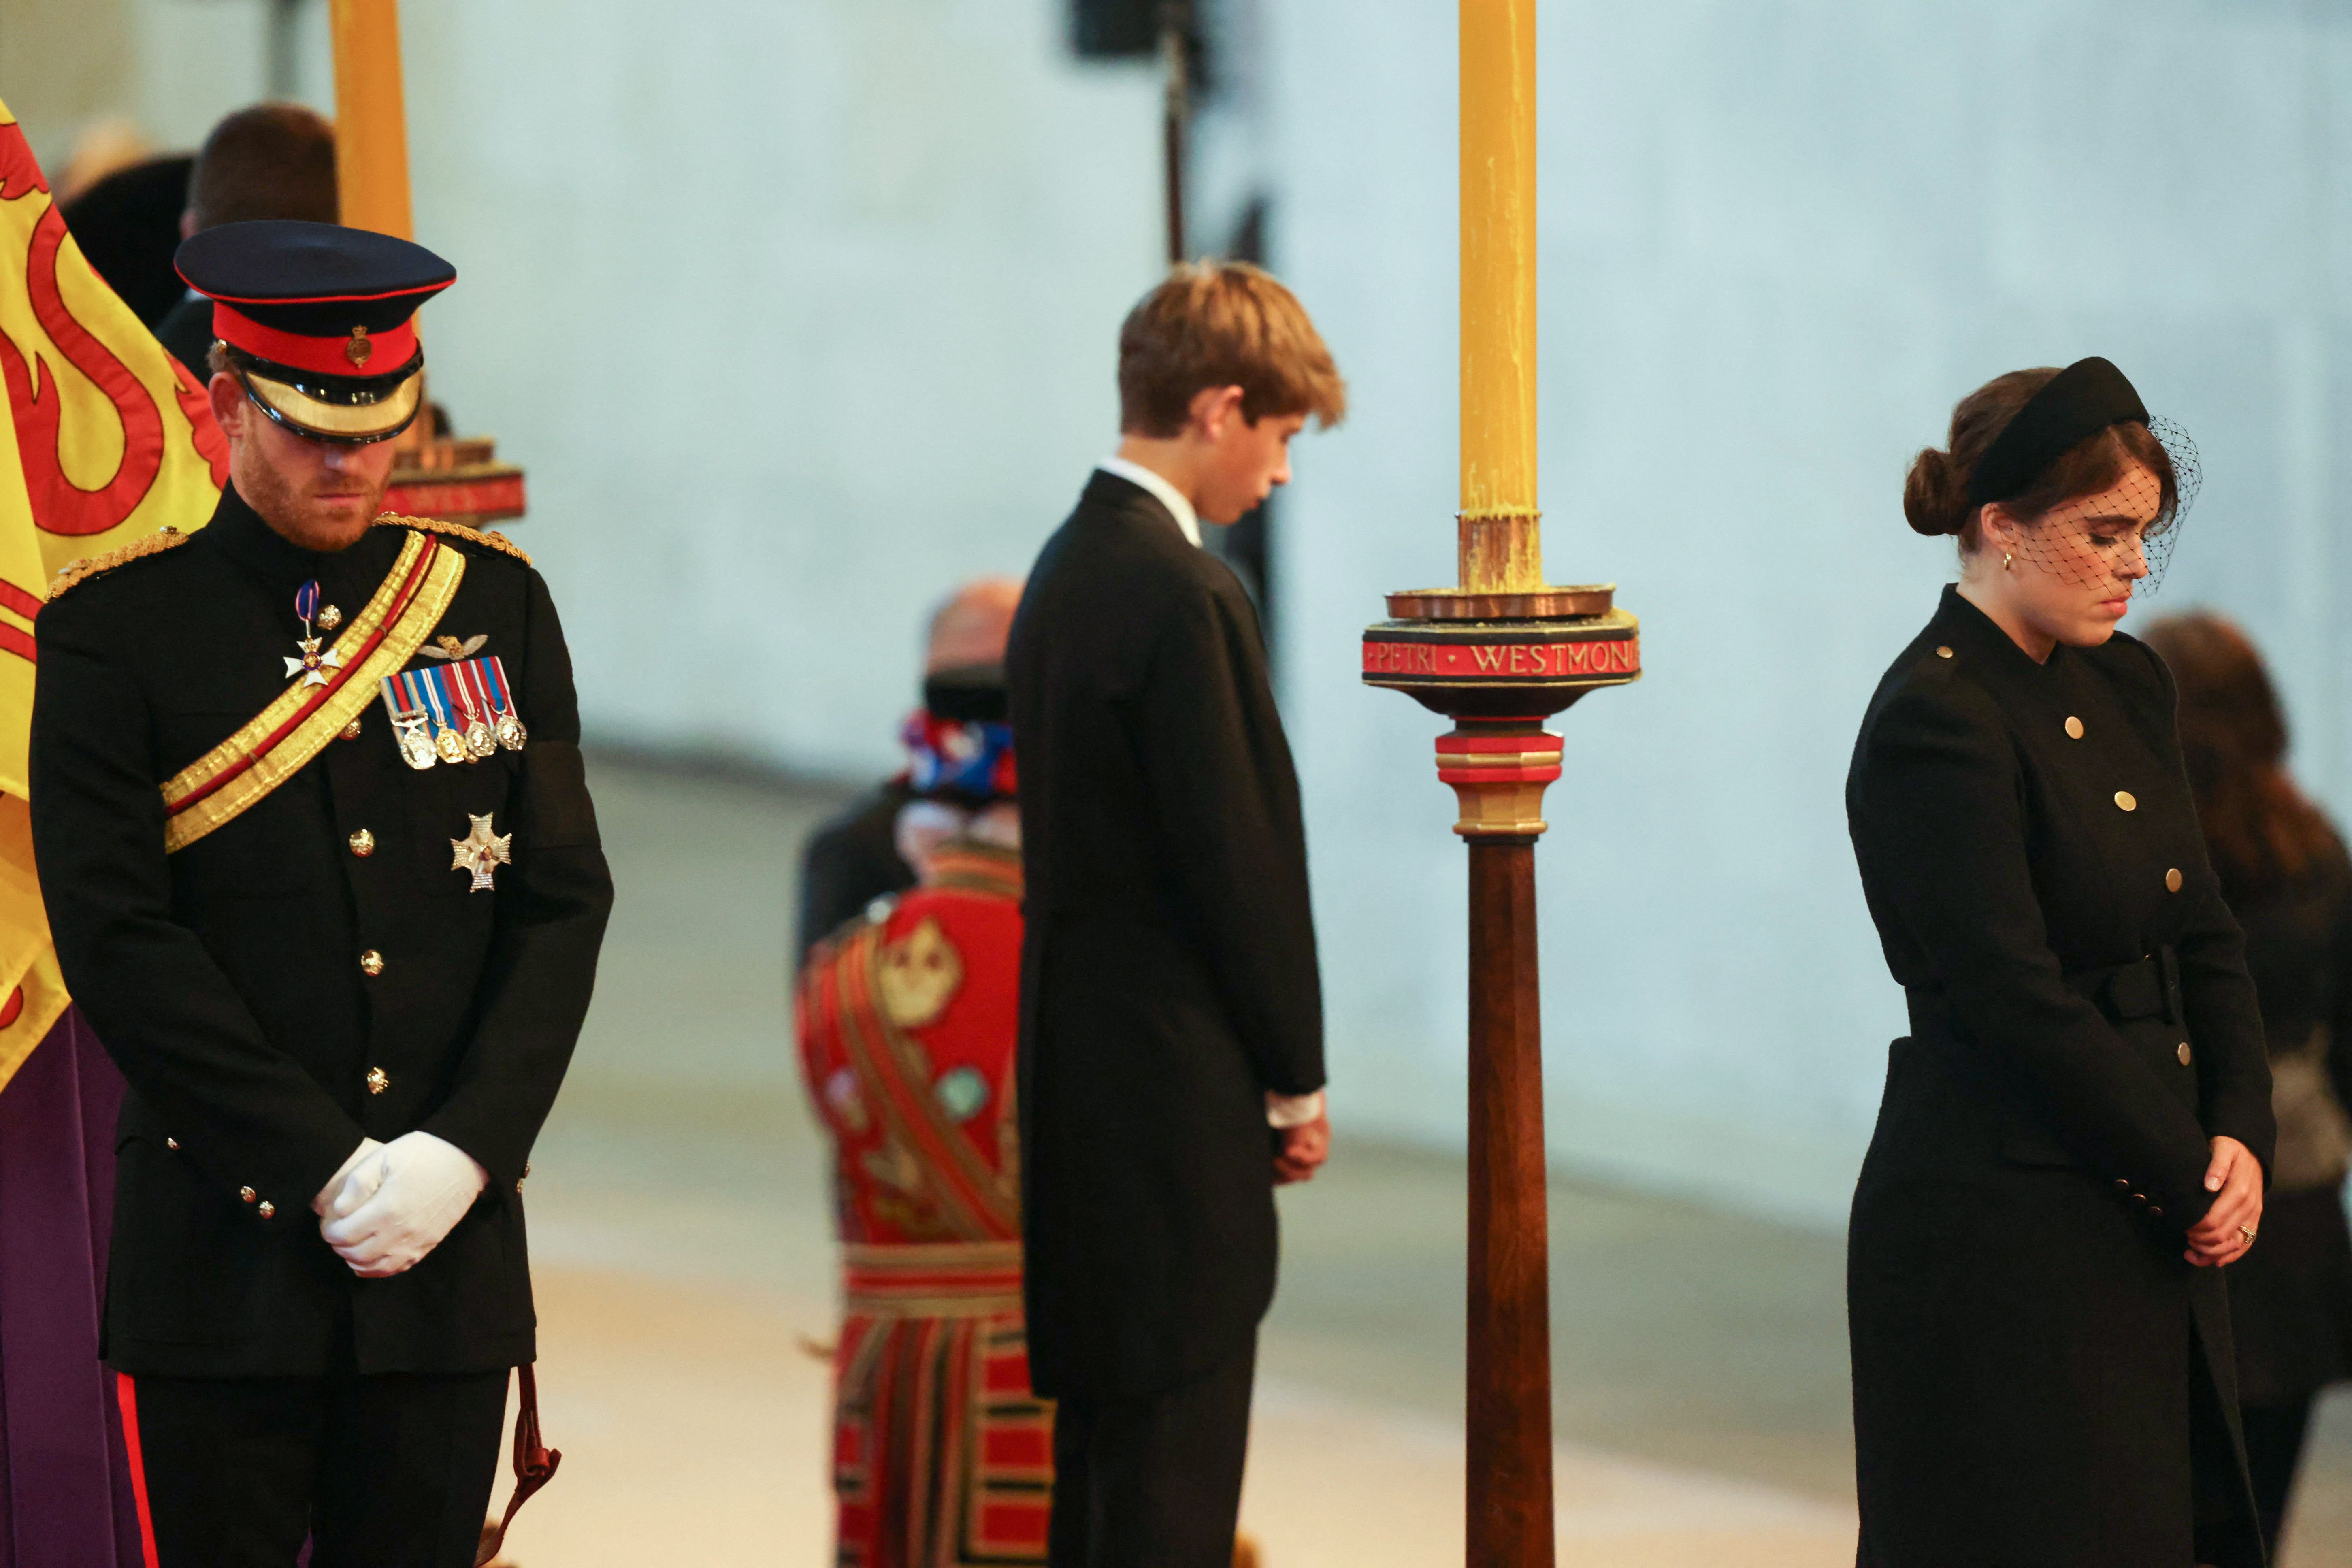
(475, 701)
(436, 698)
(499, 694)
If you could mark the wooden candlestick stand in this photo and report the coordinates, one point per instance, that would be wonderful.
(454, 479)
(1499, 654)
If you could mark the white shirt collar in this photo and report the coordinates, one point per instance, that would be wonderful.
(1166, 494)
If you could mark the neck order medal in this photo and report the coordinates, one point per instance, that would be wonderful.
(310, 663)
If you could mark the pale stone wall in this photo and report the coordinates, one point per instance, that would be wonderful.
(1778, 241)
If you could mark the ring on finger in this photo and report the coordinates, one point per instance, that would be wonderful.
(2248, 1232)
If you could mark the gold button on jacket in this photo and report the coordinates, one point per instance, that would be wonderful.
(362, 844)
(377, 1081)
(2125, 799)
(2074, 728)
(370, 963)
(2172, 880)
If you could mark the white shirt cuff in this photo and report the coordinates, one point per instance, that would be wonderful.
(1291, 1109)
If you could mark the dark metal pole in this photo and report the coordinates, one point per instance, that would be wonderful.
(1175, 114)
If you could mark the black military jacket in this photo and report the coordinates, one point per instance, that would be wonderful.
(226, 980)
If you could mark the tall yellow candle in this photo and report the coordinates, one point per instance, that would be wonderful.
(1501, 541)
(370, 123)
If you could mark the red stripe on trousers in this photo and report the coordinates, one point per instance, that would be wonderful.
(127, 1392)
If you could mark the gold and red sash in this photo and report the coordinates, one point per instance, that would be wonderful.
(895, 1071)
(242, 770)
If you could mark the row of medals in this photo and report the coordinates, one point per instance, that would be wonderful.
(479, 742)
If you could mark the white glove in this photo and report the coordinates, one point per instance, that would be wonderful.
(360, 1167)
(426, 1187)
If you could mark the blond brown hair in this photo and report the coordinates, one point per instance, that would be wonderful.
(1223, 323)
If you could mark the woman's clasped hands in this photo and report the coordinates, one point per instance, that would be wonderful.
(2235, 1176)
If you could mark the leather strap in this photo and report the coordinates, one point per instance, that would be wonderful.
(534, 1466)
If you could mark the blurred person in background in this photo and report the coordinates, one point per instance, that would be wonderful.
(270, 160)
(103, 147)
(128, 224)
(2075, 1134)
(2284, 873)
(854, 858)
(908, 1016)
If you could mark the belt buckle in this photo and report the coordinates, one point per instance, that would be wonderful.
(2168, 968)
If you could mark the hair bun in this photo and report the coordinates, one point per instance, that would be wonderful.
(1934, 499)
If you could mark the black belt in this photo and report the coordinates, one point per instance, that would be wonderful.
(2146, 987)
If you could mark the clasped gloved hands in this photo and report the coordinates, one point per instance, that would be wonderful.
(391, 1203)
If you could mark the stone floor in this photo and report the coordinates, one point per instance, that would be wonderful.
(684, 1272)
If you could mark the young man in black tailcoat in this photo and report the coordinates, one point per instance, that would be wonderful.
(1171, 1051)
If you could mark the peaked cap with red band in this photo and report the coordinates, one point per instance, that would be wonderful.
(316, 321)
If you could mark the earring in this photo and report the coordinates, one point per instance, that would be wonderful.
(2007, 561)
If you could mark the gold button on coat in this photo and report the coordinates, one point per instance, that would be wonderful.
(246, 1192)
(2123, 799)
(362, 844)
(269, 1209)
(370, 963)
(2172, 880)
(2183, 1053)
(1943, 652)
(377, 1081)
(352, 731)
(172, 1145)
(2074, 728)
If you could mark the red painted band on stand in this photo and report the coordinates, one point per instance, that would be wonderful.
(1501, 740)
(1504, 661)
(1499, 775)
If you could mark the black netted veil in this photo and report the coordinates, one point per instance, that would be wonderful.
(2121, 536)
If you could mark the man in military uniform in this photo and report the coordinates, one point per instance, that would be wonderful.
(323, 870)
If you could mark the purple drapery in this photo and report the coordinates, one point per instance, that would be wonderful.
(65, 1485)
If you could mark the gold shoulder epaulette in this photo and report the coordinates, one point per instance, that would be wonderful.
(498, 541)
(88, 566)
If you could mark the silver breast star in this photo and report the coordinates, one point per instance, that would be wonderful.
(481, 852)
(312, 666)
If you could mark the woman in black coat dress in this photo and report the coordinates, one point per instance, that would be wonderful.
(2073, 1137)
(2288, 880)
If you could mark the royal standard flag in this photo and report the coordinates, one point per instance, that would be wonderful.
(108, 439)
